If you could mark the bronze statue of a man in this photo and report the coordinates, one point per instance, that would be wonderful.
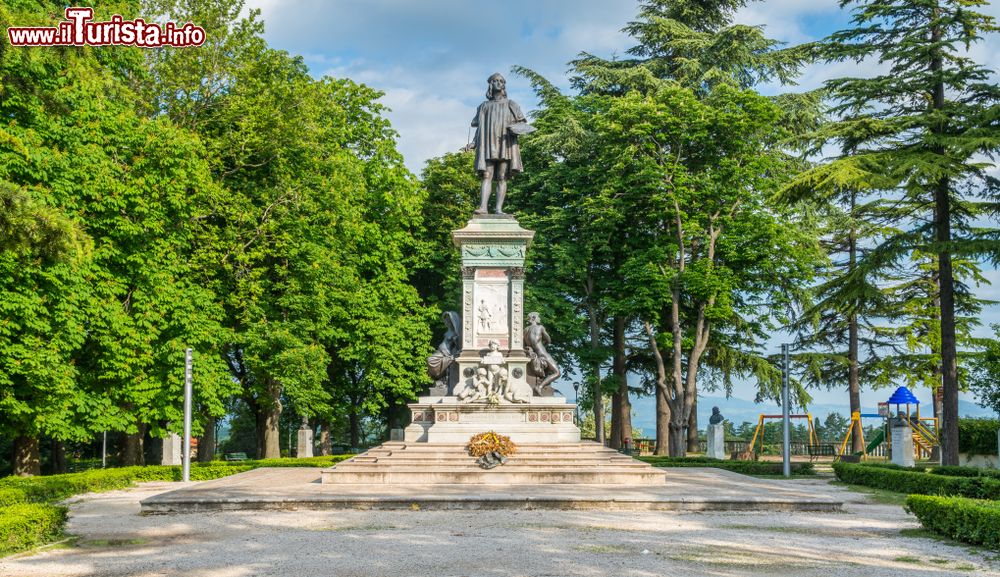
(498, 123)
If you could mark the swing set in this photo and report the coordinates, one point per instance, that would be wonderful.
(759, 431)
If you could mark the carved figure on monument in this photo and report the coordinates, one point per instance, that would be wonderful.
(514, 391)
(485, 317)
(716, 417)
(498, 122)
(477, 388)
(493, 356)
(542, 368)
(441, 365)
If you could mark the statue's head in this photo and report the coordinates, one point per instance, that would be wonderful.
(715, 410)
(480, 372)
(494, 345)
(533, 318)
(497, 87)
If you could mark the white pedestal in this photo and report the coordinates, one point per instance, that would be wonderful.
(304, 449)
(171, 450)
(716, 435)
(902, 446)
(446, 420)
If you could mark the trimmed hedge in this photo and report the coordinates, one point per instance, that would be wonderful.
(966, 520)
(956, 471)
(744, 467)
(27, 519)
(48, 488)
(978, 436)
(28, 525)
(917, 482)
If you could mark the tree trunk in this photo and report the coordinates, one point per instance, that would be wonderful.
(58, 457)
(854, 384)
(268, 417)
(26, 458)
(693, 446)
(678, 442)
(325, 444)
(942, 230)
(595, 344)
(949, 361)
(662, 422)
(354, 425)
(206, 444)
(271, 433)
(662, 392)
(937, 402)
(133, 447)
(853, 380)
(623, 408)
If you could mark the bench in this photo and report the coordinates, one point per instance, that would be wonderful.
(236, 457)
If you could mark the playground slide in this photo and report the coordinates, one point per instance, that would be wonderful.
(877, 439)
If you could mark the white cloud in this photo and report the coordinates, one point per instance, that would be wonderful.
(432, 58)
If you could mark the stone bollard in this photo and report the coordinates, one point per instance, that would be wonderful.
(716, 435)
(171, 450)
(902, 444)
(305, 444)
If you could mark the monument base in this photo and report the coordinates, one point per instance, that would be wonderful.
(447, 420)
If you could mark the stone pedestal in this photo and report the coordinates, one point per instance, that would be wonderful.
(902, 445)
(171, 450)
(716, 435)
(304, 450)
(447, 420)
(493, 249)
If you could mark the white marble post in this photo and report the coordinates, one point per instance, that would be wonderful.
(304, 449)
(902, 445)
(716, 435)
(171, 450)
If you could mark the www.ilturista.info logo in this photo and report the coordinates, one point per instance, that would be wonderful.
(79, 30)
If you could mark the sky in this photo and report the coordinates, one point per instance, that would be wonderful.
(431, 58)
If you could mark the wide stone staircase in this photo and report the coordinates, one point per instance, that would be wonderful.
(584, 463)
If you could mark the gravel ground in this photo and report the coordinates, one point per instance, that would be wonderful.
(866, 539)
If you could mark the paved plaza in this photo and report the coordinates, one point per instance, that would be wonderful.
(865, 538)
(685, 489)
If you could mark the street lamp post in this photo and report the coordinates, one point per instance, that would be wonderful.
(576, 399)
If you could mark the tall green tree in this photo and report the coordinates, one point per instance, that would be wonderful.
(694, 45)
(315, 239)
(917, 129)
(135, 187)
(986, 373)
(842, 333)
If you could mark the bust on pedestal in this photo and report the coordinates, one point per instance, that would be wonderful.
(304, 448)
(716, 435)
(902, 441)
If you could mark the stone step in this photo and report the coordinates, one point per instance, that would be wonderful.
(418, 445)
(471, 461)
(503, 475)
(521, 450)
(409, 463)
(404, 454)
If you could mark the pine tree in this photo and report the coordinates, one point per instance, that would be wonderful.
(915, 131)
(696, 45)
